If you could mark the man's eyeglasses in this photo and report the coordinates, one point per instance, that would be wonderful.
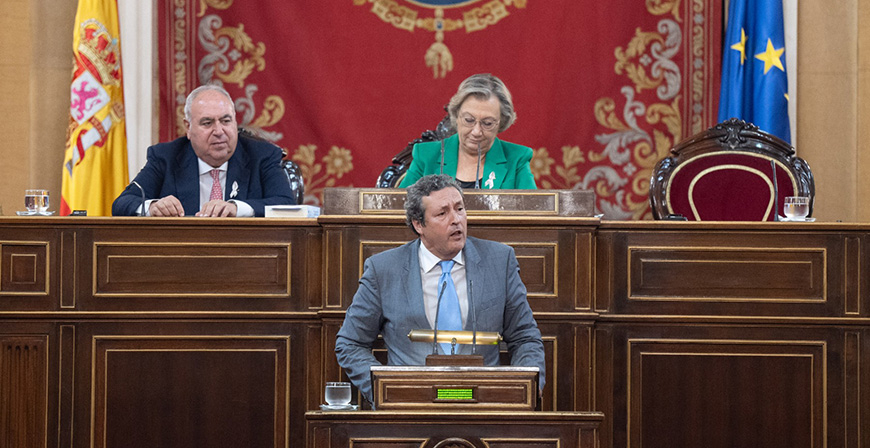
(487, 124)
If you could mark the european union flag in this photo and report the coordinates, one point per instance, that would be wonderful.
(754, 82)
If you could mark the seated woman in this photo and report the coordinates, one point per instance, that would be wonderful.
(480, 109)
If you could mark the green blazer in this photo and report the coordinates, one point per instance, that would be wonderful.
(506, 165)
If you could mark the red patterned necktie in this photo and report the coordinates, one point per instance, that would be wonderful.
(216, 193)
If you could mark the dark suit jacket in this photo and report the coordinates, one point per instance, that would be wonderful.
(506, 164)
(389, 302)
(172, 169)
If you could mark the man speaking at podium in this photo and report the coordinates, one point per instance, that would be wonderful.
(477, 283)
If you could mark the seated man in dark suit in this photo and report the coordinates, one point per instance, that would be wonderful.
(211, 171)
(400, 288)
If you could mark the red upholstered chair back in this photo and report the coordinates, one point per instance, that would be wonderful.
(725, 174)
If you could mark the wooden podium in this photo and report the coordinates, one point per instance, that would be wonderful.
(454, 388)
(452, 429)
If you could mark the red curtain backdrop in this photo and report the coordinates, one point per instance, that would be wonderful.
(602, 89)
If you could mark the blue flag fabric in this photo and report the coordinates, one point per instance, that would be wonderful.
(754, 81)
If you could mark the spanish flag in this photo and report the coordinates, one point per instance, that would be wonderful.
(95, 164)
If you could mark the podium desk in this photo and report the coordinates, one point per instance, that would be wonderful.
(404, 429)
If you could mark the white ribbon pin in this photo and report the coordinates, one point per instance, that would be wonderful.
(490, 182)
(235, 191)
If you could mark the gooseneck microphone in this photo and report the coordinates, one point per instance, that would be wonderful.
(775, 192)
(437, 310)
(472, 317)
(442, 157)
(476, 178)
(141, 190)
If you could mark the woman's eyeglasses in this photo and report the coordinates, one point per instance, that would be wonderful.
(487, 124)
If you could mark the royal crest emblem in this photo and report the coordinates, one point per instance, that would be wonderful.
(97, 71)
(99, 53)
(446, 15)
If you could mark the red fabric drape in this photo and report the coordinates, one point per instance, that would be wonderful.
(602, 89)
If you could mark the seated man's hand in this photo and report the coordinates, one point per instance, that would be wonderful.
(218, 208)
(168, 206)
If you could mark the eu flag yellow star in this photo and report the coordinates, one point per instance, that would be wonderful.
(771, 57)
(741, 46)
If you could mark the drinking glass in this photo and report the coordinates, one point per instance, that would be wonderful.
(338, 393)
(797, 207)
(36, 201)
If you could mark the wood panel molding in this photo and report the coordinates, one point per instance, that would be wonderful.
(192, 390)
(24, 268)
(24, 391)
(216, 269)
(666, 378)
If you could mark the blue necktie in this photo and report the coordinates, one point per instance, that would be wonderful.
(449, 314)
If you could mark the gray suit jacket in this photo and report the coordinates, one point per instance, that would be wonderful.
(389, 302)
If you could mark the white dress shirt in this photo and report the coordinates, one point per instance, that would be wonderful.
(430, 272)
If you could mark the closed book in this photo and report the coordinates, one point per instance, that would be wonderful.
(292, 211)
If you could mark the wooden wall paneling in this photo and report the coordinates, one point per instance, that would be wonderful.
(68, 268)
(609, 391)
(851, 276)
(346, 247)
(584, 272)
(315, 350)
(728, 273)
(28, 269)
(548, 264)
(445, 429)
(28, 390)
(856, 394)
(583, 374)
(603, 275)
(696, 385)
(66, 384)
(648, 333)
(206, 268)
(191, 383)
(567, 351)
(333, 267)
(308, 259)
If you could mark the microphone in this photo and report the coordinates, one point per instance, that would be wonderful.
(442, 157)
(476, 178)
(141, 190)
(472, 317)
(437, 309)
(442, 131)
(775, 192)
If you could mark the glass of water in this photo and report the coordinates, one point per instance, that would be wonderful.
(36, 201)
(338, 393)
(797, 207)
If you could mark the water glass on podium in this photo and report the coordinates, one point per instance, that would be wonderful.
(797, 207)
(338, 393)
(36, 201)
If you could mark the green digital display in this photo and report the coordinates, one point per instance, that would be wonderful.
(455, 394)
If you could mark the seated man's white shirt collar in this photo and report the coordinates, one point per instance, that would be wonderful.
(205, 184)
(205, 180)
(430, 272)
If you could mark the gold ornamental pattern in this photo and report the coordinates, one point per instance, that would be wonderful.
(323, 174)
(232, 58)
(413, 15)
(638, 132)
